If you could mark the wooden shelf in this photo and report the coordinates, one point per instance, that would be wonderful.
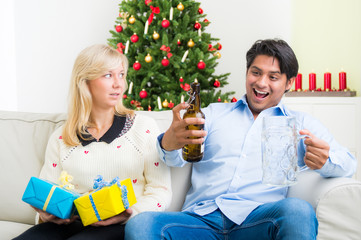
(321, 94)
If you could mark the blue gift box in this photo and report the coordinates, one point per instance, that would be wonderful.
(50, 197)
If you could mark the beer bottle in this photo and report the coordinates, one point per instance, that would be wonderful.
(194, 152)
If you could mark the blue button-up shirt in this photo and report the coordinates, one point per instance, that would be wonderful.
(229, 176)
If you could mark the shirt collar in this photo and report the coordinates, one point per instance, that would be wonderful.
(279, 109)
(113, 132)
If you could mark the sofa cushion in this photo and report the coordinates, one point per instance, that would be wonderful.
(23, 141)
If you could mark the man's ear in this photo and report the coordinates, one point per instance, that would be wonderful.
(289, 83)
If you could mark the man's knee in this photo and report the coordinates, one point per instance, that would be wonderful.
(295, 207)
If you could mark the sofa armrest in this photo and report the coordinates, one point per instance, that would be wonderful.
(336, 202)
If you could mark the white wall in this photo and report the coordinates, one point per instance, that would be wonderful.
(50, 33)
(8, 90)
(238, 24)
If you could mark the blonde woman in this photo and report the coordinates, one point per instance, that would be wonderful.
(102, 137)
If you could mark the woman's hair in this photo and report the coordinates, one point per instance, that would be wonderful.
(278, 49)
(91, 63)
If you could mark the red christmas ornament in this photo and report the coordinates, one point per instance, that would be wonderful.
(132, 102)
(124, 96)
(165, 23)
(200, 10)
(197, 25)
(134, 38)
(210, 46)
(118, 28)
(201, 65)
(165, 62)
(234, 99)
(181, 79)
(206, 20)
(171, 104)
(186, 87)
(178, 42)
(143, 94)
(216, 83)
(137, 66)
(219, 99)
(219, 46)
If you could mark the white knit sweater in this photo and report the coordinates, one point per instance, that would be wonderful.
(132, 155)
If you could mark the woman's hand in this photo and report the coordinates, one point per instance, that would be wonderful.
(120, 218)
(47, 217)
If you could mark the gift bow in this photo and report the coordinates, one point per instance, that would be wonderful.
(99, 183)
(65, 180)
(155, 10)
(120, 47)
(167, 49)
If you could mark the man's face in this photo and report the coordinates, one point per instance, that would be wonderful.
(265, 84)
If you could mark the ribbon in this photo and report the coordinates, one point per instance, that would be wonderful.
(94, 207)
(65, 180)
(167, 49)
(48, 198)
(120, 47)
(155, 10)
(147, 2)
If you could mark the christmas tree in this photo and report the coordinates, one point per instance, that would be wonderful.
(167, 48)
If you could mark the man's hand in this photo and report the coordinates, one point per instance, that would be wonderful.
(177, 135)
(120, 218)
(317, 150)
(47, 217)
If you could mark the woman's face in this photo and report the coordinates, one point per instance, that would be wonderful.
(107, 90)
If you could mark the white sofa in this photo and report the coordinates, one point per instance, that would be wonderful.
(23, 139)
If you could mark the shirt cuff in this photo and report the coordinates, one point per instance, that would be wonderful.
(171, 158)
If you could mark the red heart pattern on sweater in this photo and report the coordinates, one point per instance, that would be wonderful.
(86, 152)
(159, 205)
(156, 164)
(54, 164)
(61, 137)
(119, 146)
(147, 131)
(134, 180)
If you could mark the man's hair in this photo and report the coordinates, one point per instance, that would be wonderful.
(278, 49)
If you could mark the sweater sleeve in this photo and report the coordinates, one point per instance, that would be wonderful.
(52, 165)
(157, 191)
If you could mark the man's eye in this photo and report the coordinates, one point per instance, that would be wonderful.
(255, 73)
(273, 78)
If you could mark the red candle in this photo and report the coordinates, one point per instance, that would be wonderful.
(312, 81)
(327, 81)
(342, 80)
(298, 83)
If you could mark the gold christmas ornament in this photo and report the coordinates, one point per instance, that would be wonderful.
(165, 103)
(180, 7)
(225, 101)
(190, 43)
(218, 55)
(155, 35)
(148, 58)
(131, 19)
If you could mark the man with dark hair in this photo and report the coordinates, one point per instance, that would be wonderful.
(227, 199)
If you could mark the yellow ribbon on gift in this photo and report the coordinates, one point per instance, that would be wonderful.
(48, 198)
(65, 180)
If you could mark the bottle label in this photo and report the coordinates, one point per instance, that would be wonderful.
(202, 147)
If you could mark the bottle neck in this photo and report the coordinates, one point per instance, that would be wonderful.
(196, 99)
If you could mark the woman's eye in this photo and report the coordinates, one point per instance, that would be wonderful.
(121, 75)
(108, 75)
